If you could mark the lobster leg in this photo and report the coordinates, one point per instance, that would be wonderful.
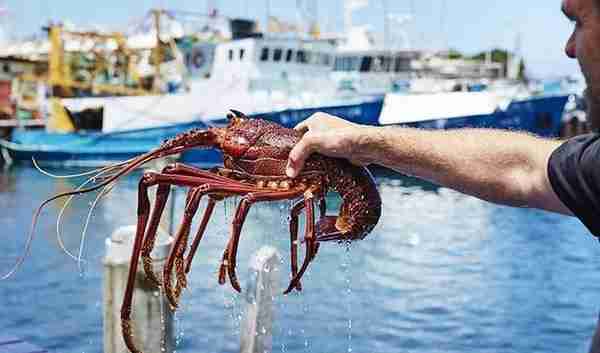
(240, 216)
(322, 215)
(176, 257)
(296, 209)
(309, 238)
(162, 194)
(149, 179)
(143, 213)
(207, 213)
(178, 248)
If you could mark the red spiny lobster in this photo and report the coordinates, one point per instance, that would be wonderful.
(255, 156)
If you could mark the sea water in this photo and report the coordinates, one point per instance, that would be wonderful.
(442, 272)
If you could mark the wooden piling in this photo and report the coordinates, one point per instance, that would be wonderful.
(263, 286)
(152, 317)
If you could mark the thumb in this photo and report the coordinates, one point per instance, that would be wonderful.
(302, 126)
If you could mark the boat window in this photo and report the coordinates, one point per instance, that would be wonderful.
(365, 65)
(345, 63)
(264, 54)
(277, 54)
(242, 52)
(289, 55)
(337, 64)
(354, 63)
(402, 64)
(387, 64)
(308, 59)
(230, 54)
(377, 64)
(301, 56)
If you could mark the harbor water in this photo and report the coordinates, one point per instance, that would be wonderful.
(442, 272)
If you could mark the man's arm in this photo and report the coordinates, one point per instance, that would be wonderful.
(498, 166)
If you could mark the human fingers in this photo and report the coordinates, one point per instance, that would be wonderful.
(299, 154)
(306, 124)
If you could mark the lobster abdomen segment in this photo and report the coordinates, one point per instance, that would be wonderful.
(361, 204)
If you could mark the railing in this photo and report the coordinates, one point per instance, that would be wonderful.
(22, 123)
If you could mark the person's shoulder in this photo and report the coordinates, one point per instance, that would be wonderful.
(582, 150)
(574, 173)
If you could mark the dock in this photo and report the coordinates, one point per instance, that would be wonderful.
(10, 344)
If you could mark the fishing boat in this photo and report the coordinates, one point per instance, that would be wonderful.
(282, 78)
(94, 149)
(541, 116)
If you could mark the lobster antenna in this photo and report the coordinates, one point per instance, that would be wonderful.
(59, 237)
(46, 173)
(21, 258)
(128, 167)
(101, 194)
(36, 216)
(237, 114)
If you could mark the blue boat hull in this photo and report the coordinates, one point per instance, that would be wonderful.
(541, 116)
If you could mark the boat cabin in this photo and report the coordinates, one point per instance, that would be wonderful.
(374, 72)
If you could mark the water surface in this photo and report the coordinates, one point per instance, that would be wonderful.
(442, 272)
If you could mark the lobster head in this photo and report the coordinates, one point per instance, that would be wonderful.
(256, 146)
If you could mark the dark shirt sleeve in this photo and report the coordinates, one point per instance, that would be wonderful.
(574, 172)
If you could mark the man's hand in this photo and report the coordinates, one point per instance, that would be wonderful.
(331, 136)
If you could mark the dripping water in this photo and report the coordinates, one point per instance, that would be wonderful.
(347, 271)
(305, 313)
(163, 322)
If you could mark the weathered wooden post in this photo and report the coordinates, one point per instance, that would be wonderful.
(152, 317)
(263, 286)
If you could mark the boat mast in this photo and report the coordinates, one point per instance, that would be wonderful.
(386, 25)
(268, 15)
(157, 50)
(347, 16)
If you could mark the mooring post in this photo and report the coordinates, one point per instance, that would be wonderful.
(152, 317)
(263, 286)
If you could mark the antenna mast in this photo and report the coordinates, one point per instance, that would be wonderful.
(386, 25)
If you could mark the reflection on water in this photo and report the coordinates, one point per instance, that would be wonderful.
(441, 272)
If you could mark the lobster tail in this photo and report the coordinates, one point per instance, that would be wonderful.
(361, 204)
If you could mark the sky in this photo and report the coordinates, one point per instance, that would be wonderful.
(467, 25)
